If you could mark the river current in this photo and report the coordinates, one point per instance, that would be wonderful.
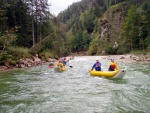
(41, 90)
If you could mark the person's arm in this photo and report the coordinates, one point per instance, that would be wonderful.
(100, 64)
(57, 64)
(93, 66)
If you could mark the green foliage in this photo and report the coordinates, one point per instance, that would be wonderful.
(93, 47)
(7, 39)
(138, 52)
(3, 58)
(147, 42)
(72, 30)
(80, 42)
(19, 52)
(7, 59)
(47, 54)
(135, 26)
(12, 55)
(129, 26)
(114, 51)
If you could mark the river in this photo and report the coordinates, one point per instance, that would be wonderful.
(41, 90)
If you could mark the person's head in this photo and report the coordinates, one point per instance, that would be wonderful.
(112, 59)
(97, 60)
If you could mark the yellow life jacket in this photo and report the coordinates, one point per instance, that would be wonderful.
(114, 65)
(59, 64)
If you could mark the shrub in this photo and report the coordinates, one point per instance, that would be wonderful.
(12, 55)
(47, 54)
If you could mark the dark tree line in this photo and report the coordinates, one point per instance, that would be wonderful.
(25, 19)
(136, 33)
(39, 12)
(27, 22)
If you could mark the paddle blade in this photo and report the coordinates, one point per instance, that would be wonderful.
(87, 73)
(71, 66)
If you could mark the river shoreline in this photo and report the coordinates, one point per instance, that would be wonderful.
(11, 68)
(126, 58)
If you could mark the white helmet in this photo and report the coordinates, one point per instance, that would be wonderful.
(112, 59)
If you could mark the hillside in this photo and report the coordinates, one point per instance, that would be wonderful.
(104, 22)
(95, 27)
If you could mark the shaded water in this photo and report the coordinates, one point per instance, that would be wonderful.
(41, 90)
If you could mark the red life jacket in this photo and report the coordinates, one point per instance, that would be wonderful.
(113, 65)
(97, 64)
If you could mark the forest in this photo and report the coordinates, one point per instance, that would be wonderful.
(96, 27)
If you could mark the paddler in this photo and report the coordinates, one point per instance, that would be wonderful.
(59, 63)
(64, 61)
(97, 66)
(113, 65)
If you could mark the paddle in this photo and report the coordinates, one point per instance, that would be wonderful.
(88, 71)
(69, 66)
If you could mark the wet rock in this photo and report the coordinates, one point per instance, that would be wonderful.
(21, 65)
(148, 59)
(122, 57)
(2, 68)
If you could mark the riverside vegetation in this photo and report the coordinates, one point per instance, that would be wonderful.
(98, 27)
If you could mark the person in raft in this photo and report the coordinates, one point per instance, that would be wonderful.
(113, 65)
(97, 66)
(59, 63)
(64, 61)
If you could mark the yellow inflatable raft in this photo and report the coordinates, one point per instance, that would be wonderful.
(60, 67)
(109, 74)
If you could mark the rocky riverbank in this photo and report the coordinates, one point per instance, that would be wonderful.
(27, 62)
(31, 62)
(130, 58)
(35, 61)
(127, 57)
